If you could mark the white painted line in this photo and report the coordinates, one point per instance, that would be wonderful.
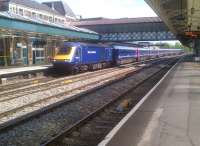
(130, 114)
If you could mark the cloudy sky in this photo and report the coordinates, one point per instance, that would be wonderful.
(110, 8)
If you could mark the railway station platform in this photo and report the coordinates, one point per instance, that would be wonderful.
(8, 72)
(169, 115)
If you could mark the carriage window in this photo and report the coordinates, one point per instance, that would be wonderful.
(64, 50)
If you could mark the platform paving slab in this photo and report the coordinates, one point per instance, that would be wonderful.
(17, 70)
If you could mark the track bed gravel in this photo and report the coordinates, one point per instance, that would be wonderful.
(42, 128)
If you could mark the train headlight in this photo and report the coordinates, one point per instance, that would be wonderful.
(54, 60)
(66, 60)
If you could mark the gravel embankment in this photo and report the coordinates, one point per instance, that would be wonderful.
(40, 129)
(37, 98)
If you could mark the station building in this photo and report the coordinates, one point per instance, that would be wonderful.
(30, 32)
(63, 8)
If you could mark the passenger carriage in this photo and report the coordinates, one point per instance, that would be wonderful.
(124, 54)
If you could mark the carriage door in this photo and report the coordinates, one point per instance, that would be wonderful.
(77, 56)
(25, 55)
(38, 55)
(138, 55)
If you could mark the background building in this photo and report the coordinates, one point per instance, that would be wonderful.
(30, 31)
(63, 8)
(34, 10)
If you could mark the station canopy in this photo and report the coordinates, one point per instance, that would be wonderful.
(181, 16)
(15, 24)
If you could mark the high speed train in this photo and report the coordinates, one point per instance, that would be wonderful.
(78, 56)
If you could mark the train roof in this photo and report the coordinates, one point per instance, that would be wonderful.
(128, 46)
(124, 44)
(170, 49)
(85, 44)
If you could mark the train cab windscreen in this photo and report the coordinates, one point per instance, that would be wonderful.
(64, 51)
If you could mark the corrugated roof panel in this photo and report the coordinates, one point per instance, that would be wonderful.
(116, 21)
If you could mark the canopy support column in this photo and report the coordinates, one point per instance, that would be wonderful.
(197, 49)
(5, 52)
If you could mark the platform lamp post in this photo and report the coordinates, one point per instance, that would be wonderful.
(5, 53)
(12, 55)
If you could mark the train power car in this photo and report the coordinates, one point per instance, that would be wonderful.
(76, 56)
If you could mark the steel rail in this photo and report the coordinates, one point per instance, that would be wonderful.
(84, 121)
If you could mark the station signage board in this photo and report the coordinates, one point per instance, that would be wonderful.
(4, 5)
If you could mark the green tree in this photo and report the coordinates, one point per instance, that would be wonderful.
(177, 45)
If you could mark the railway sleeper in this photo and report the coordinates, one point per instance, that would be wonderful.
(98, 126)
(84, 138)
(91, 137)
(105, 122)
(114, 114)
(70, 141)
(89, 131)
(119, 113)
(113, 119)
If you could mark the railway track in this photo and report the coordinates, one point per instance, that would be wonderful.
(80, 86)
(23, 84)
(38, 87)
(26, 104)
(53, 83)
(91, 130)
(17, 106)
(85, 104)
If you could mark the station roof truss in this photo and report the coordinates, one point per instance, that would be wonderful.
(181, 16)
(128, 29)
(106, 21)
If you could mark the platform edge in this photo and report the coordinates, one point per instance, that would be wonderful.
(114, 131)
